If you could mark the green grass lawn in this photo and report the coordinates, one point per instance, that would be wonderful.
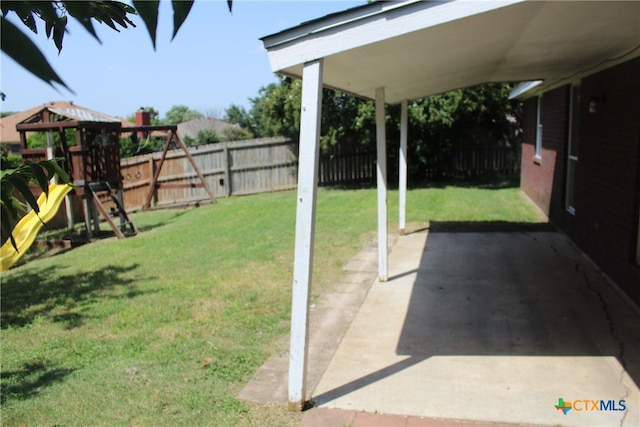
(166, 327)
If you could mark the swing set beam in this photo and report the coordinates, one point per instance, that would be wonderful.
(155, 184)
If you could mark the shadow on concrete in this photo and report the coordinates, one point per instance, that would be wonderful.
(487, 226)
(505, 289)
(366, 380)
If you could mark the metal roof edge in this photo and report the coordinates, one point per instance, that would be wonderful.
(338, 18)
(84, 114)
(524, 87)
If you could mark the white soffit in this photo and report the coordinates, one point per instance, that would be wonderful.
(416, 49)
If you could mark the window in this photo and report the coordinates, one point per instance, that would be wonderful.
(572, 152)
(638, 243)
(539, 129)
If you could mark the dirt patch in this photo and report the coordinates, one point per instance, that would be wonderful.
(272, 415)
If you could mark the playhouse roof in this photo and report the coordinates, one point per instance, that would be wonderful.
(68, 110)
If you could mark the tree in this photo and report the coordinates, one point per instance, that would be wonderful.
(204, 136)
(180, 114)
(41, 140)
(207, 136)
(473, 116)
(276, 112)
(7, 159)
(133, 146)
(236, 134)
(238, 115)
(477, 116)
(276, 109)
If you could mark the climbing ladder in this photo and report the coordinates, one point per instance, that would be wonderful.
(101, 191)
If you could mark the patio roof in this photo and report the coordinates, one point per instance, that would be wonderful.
(416, 48)
(397, 51)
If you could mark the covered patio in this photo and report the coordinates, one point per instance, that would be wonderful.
(497, 337)
(477, 324)
(395, 52)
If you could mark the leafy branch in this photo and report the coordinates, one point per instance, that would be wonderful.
(55, 16)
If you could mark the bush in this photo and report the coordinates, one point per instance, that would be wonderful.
(207, 136)
(236, 134)
(8, 160)
(39, 139)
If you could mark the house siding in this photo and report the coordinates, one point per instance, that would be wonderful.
(607, 177)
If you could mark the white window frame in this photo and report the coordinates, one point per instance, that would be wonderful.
(572, 159)
(538, 152)
(638, 242)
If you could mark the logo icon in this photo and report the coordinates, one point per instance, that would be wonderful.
(563, 406)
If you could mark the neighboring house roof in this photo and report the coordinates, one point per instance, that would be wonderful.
(414, 49)
(192, 127)
(69, 110)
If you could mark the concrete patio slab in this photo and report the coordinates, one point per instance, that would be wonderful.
(490, 326)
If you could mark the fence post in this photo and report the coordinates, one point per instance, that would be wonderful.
(152, 171)
(227, 167)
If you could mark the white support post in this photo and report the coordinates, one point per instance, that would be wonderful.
(381, 153)
(69, 210)
(51, 154)
(402, 168)
(305, 229)
(67, 199)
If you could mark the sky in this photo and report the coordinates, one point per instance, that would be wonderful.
(216, 59)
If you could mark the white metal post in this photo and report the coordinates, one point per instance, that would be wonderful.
(402, 168)
(305, 229)
(381, 153)
(50, 156)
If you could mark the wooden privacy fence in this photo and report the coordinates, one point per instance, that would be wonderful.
(271, 164)
(229, 168)
(472, 161)
(341, 165)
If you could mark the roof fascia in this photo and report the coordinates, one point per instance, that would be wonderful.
(365, 25)
(312, 26)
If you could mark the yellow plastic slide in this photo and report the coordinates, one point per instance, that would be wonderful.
(27, 228)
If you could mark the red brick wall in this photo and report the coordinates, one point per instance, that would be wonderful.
(608, 174)
(607, 181)
(542, 178)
